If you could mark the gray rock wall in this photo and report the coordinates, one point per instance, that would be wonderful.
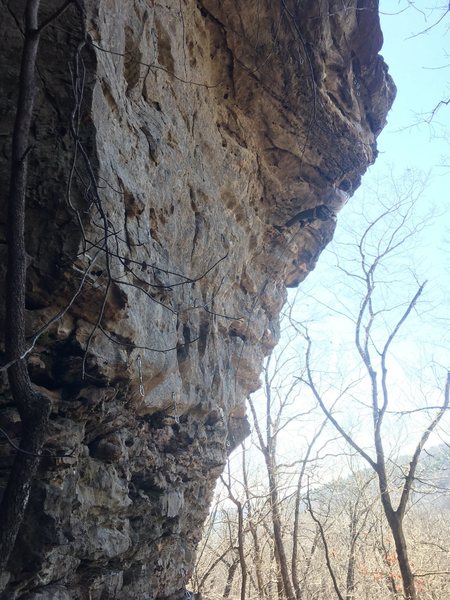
(203, 128)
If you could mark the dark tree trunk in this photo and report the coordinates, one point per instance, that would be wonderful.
(409, 587)
(241, 550)
(230, 577)
(280, 553)
(32, 406)
(350, 584)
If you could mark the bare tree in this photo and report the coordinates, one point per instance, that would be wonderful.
(252, 524)
(240, 533)
(373, 345)
(267, 444)
(358, 535)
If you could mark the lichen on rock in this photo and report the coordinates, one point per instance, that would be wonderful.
(209, 129)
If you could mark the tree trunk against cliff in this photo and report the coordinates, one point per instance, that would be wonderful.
(33, 407)
(365, 332)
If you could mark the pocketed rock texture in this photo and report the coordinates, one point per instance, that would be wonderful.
(187, 163)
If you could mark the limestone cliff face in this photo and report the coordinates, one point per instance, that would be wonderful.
(178, 151)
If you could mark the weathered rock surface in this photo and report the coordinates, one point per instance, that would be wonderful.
(207, 126)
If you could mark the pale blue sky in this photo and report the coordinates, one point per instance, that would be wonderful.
(407, 141)
(413, 60)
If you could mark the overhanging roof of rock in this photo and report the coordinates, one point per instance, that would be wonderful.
(310, 83)
(299, 94)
